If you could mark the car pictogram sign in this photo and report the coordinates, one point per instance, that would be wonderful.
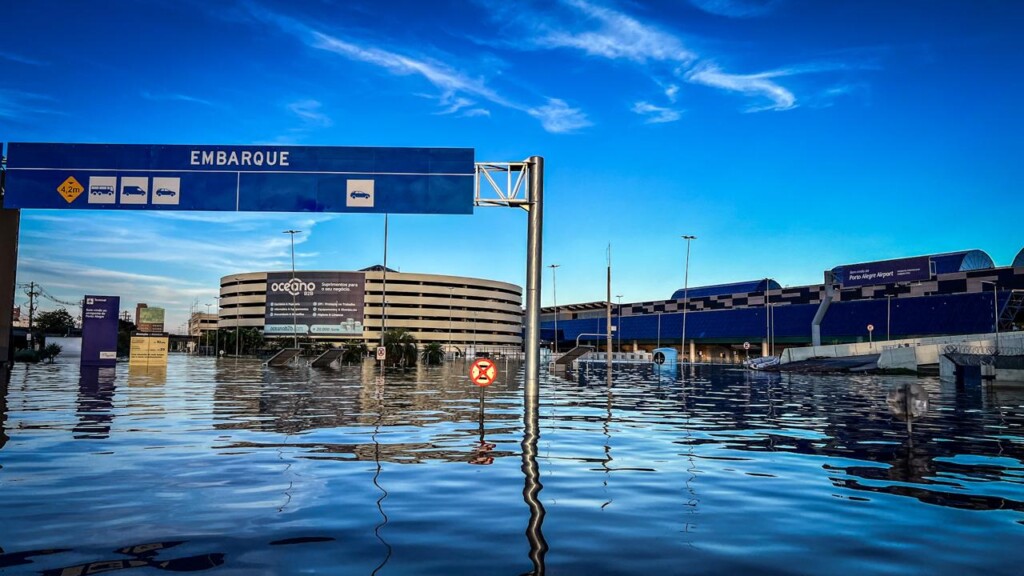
(70, 189)
(483, 371)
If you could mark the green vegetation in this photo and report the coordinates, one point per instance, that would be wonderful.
(354, 353)
(50, 352)
(56, 322)
(401, 347)
(432, 354)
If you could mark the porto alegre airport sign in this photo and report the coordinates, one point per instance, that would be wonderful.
(99, 330)
(240, 178)
(886, 272)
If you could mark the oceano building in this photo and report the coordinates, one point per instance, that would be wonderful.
(464, 315)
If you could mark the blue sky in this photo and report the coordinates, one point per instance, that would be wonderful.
(789, 136)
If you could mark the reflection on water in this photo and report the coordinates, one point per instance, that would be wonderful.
(230, 465)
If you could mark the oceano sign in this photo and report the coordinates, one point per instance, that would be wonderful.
(295, 286)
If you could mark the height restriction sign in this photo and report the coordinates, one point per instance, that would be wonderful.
(483, 371)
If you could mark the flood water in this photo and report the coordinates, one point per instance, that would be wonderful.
(233, 468)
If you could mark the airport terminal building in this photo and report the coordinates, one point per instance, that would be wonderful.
(941, 294)
(464, 315)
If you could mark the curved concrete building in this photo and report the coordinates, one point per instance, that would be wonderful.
(460, 313)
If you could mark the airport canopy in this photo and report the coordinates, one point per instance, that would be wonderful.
(962, 261)
(727, 289)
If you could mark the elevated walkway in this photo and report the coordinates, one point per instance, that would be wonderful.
(284, 357)
(561, 364)
(327, 358)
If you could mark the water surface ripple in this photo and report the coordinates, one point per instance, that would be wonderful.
(233, 468)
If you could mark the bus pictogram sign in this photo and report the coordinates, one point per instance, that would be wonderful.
(483, 371)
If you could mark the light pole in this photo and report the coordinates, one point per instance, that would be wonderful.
(686, 289)
(216, 327)
(767, 315)
(450, 290)
(554, 297)
(995, 310)
(238, 307)
(295, 334)
(207, 317)
(618, 314)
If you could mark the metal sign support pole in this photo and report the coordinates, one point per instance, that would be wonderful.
(534, 232)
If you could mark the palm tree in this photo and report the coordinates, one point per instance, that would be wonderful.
(432, 354)
(354, 353)
(401, 347)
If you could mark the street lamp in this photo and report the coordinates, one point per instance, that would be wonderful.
(767, 316)
(207, 317)
(554, 297)
(618, 314)
(995, 309)
(216, 328)
(686, 288)
(450, 290)
(295, 334)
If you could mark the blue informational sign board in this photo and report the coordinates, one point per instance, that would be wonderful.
(886, 272)
(99, 330)
(240, 178)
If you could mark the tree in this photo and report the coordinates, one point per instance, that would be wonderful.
(432, 354)
(124, 337)
(354, 353)
(401, 347)
(55, 322)
(50, 352)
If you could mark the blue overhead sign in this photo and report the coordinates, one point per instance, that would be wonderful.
(240, 178)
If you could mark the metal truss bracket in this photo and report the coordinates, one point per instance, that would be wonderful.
(505, 184)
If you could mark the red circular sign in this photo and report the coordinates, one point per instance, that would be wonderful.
(483, 371)
(871, 327)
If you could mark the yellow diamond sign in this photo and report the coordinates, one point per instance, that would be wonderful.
(70, 189)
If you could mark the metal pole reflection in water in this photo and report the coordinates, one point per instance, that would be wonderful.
(531, 472)
(379, 396)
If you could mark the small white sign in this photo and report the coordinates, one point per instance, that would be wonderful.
(108, 355)
(382, 353)
(359, 194)
(102, 189)
(871, 327)
(134, 190)
(166, 191)
(746, 345)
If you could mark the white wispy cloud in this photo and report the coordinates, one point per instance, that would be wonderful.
(557, 116)
(16, 105)
(737, 8)
(309, 112)
(656, 114)
(761, 84)
(618, 36)
(13, 57)
(172, 97)
(459, 92)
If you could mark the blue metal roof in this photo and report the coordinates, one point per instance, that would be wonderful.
(917, 316)
(962, 261)
(727, 289)
(1018, 262)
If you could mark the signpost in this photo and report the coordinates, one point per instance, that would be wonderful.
(240, 178)
(99, 330)
(871, 331)
(483, 371)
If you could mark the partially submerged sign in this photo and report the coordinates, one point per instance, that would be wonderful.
(99, 330)
(240, 178)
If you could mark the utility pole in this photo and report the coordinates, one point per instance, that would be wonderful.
(31, 312)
